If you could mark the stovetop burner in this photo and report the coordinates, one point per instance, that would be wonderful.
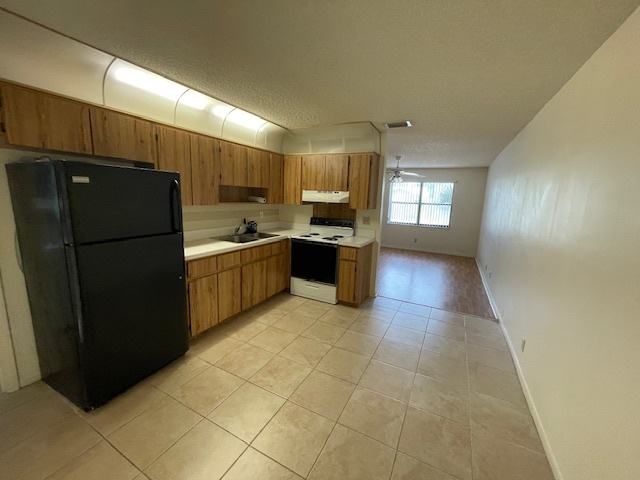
(328, 230)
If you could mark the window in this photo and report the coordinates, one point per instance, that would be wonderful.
(424, 204)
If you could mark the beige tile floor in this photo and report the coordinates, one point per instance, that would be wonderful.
(298, 389)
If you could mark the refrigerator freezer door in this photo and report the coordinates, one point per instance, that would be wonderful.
(133, 303)
(105, 202)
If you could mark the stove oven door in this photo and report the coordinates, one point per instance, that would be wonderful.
(314, 261)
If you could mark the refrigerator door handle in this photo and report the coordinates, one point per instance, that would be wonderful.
(176, 210)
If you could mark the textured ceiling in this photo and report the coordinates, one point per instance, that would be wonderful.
(469, 74)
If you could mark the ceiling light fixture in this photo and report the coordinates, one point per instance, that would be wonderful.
(396, 173)
(405, 123)
(194, 99)
(139, 78)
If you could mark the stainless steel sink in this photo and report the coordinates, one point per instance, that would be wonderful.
(237, 238)
(246, 237)
(259, 235)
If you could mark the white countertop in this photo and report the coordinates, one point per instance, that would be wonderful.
(210, 246)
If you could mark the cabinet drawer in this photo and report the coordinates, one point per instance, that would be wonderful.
(228, 260)
(256, 253)
(202, 267)
(348, 253)
(278, 247)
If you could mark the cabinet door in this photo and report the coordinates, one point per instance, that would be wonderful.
(229, 293)
(205, 170)
(359, 177)
(313, 167)
(257, 168)
(174, 155)
(233, 164)
(122, 136)
(276, 179)
(272, 276)
(203, 304)
(282, 280)
(347, 281)
(374, 175)
(34, 119)
(336, 172)
(277, 274)
(254, 283)
(292, 180)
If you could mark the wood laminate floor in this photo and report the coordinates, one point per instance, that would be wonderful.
(448, 282)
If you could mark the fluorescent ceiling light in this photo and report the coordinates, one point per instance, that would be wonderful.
(221, 111)
(194, 99)
(149, 82)
(245, 119)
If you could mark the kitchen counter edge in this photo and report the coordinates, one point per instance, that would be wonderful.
(207, 247)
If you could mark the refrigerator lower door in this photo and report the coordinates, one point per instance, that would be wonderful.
(133, 304)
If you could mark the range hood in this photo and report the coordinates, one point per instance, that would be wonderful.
(325, 196)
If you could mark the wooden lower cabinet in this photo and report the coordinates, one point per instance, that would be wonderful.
(221, 286)
(229, 293)
(277, 274)
(354, 272)
(203, 304)
(254, 283)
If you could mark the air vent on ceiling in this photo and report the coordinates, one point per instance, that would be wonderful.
(406, 123)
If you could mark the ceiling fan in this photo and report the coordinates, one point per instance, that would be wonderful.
(397, 174)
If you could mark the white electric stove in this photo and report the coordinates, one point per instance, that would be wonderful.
(314, 259)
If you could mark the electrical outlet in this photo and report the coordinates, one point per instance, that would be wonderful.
(523, 344)
(366, 220)
(261, 214)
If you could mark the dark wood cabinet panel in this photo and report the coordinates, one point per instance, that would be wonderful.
(233, 164)
(203, 304)
(336, 173)
(35, 119)
(205, 170)
(174, 155)
(229, 293)
(313, 170)
(292, 179)
(122, 136)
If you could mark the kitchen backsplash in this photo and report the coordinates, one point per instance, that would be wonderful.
(207, 221)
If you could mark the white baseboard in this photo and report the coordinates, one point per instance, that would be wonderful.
(553, 462)
(416, 249)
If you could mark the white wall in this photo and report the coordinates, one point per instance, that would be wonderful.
(461, 238)
(15, 321)
(561, 235)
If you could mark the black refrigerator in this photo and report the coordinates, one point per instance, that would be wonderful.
(103, 259)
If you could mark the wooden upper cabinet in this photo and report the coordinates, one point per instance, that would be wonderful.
(292, 179)
(336, 172)
(276, 179)
(35, 119)
(174, 155)
(363, 181)
(257, 168)
(205, 169)
(122, 136)
(313, 170)
(233, 164)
